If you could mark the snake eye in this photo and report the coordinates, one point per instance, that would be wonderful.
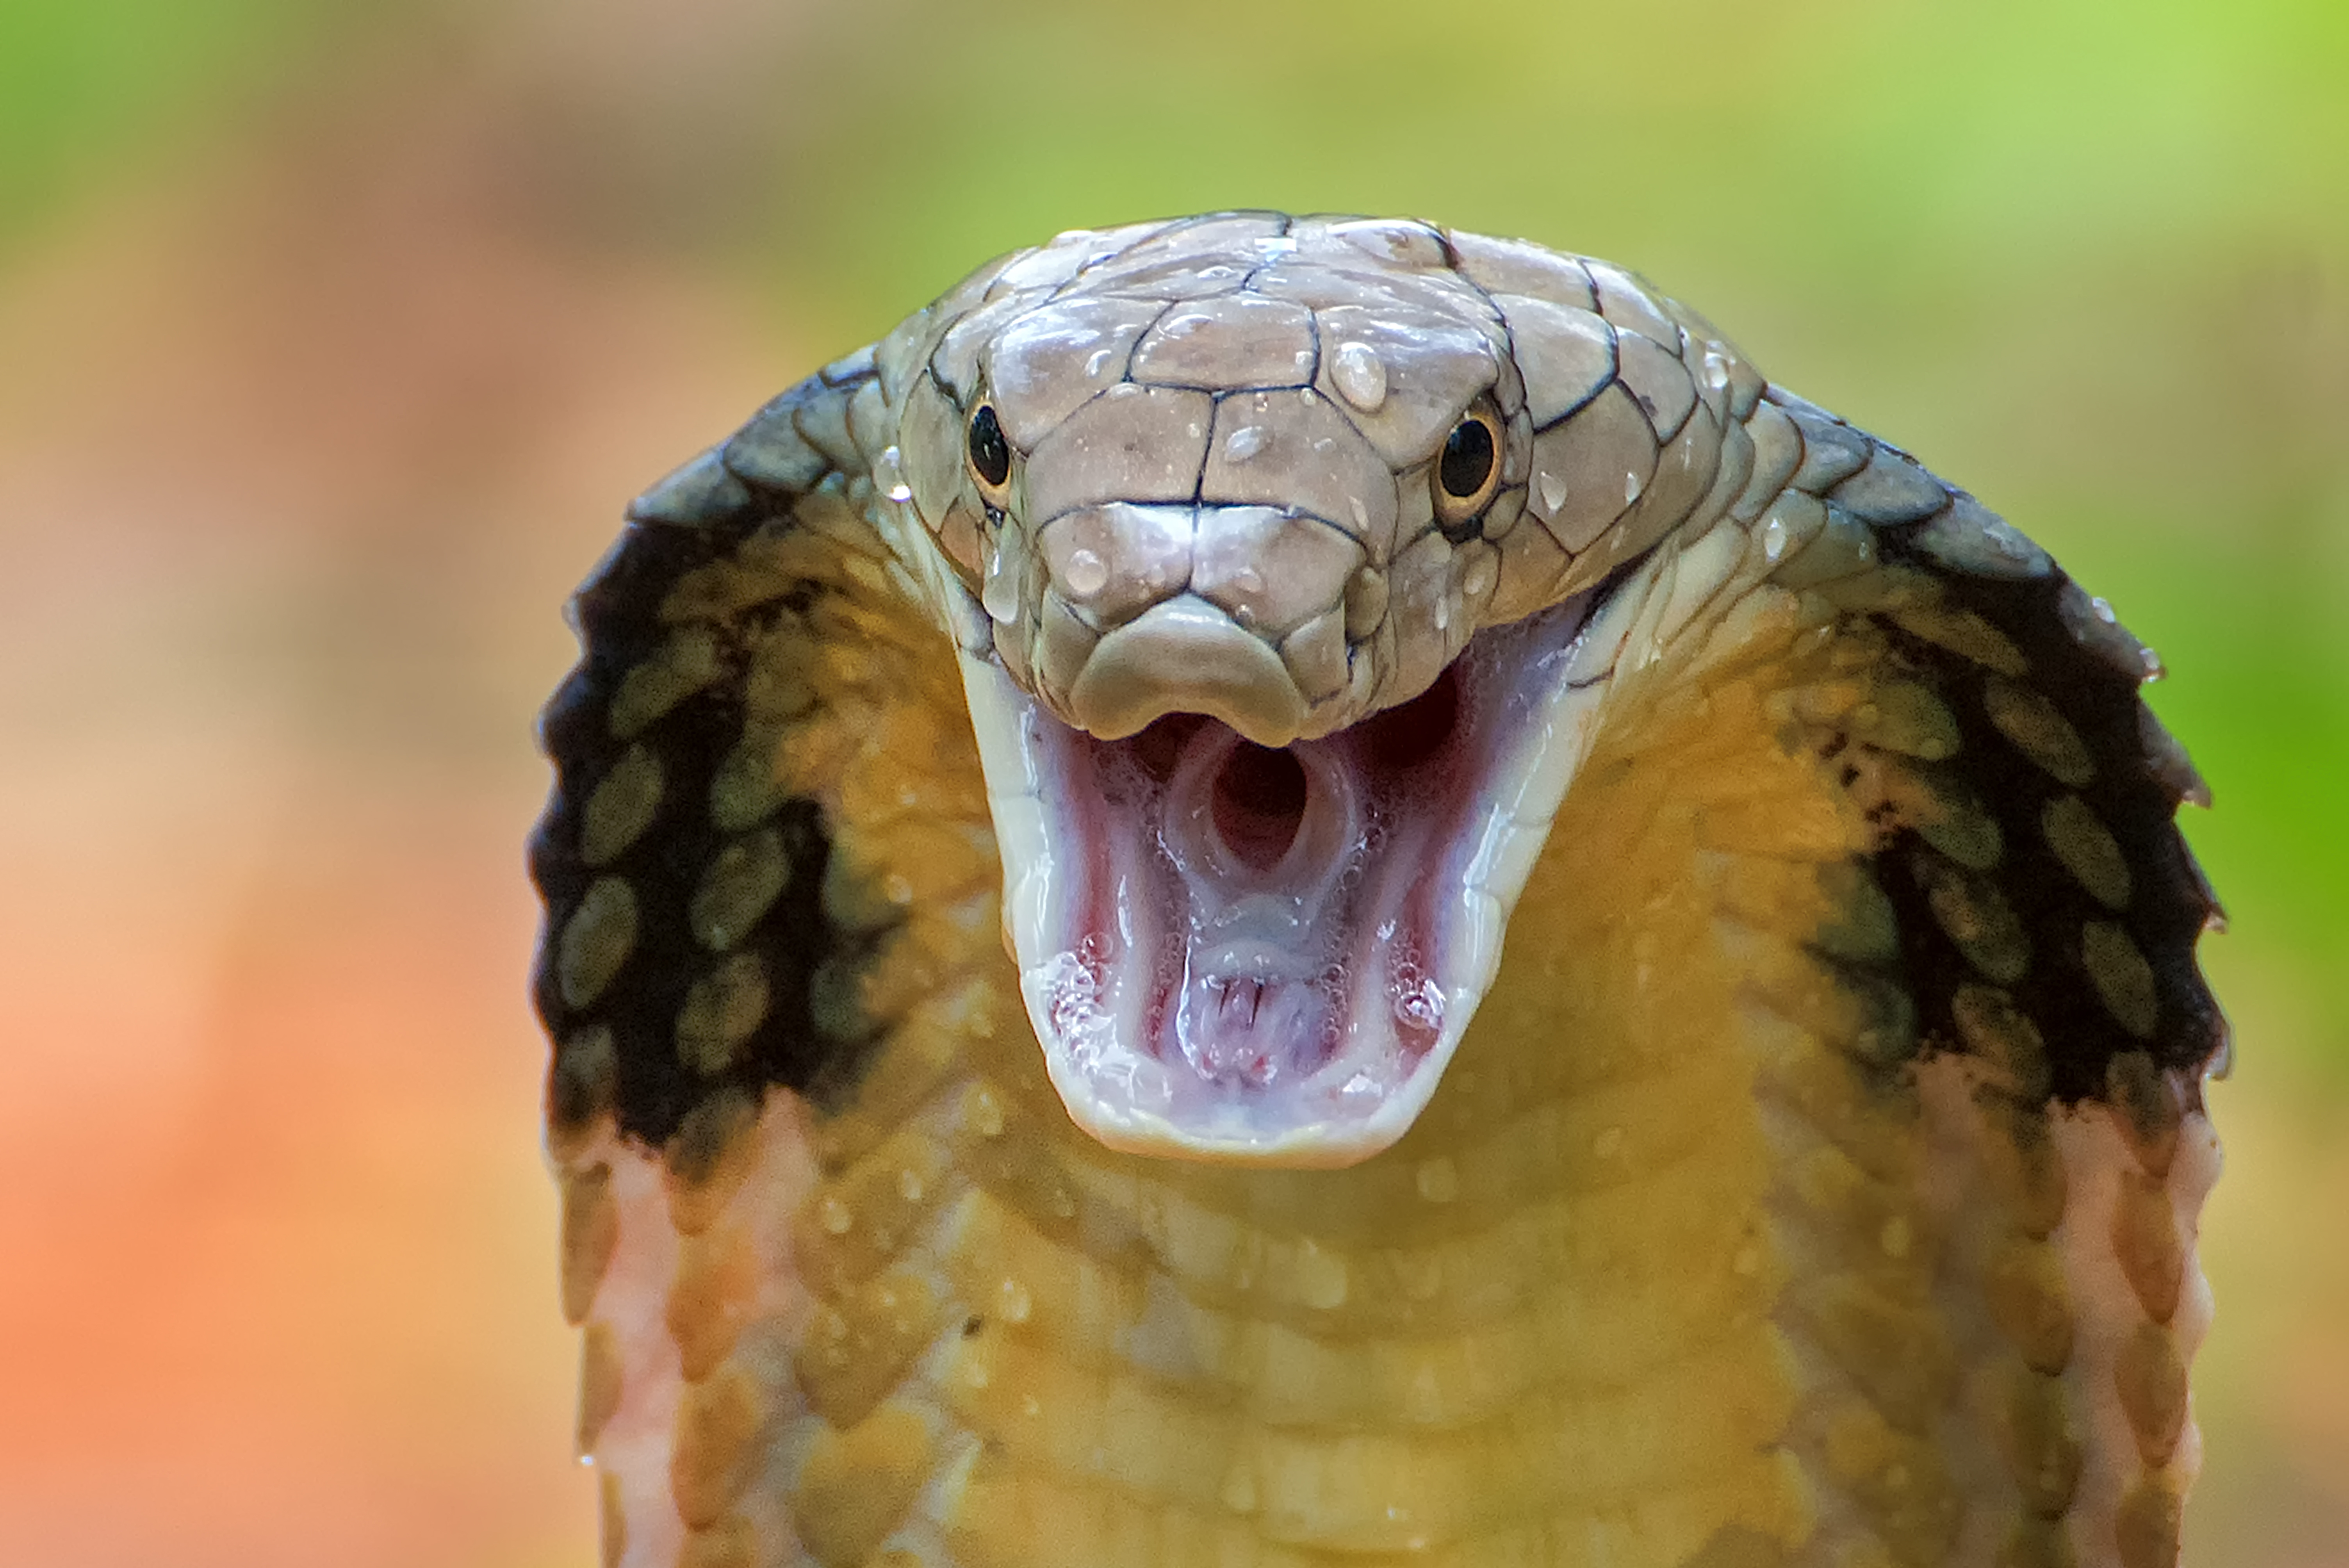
(990, 456)
(1468, 472)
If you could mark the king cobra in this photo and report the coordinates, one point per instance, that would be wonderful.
(1281, 891)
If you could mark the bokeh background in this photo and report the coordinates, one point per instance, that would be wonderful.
(333, 336)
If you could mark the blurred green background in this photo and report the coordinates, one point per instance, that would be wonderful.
(335, 336)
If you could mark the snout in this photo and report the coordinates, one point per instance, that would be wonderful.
(1234, 612)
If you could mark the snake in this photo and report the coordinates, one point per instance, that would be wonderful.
(1294, 891)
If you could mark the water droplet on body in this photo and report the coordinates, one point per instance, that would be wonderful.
(1438, 1180)
(987, 1114)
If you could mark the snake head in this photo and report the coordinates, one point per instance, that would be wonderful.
(1263, 537)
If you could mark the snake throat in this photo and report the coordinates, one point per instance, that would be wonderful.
(1265, 955)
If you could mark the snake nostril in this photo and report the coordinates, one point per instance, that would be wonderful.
(1259, 803)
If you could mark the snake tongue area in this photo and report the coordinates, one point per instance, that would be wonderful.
(1268, 955)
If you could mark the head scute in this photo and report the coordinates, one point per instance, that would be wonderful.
(1202, 452)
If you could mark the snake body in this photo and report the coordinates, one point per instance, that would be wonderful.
(1295, 890)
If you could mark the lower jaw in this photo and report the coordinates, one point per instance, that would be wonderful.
(1265, 957)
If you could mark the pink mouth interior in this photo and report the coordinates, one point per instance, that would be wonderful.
(1261, 923)
(1235, 953)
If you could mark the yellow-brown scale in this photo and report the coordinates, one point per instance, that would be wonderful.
(1694, 1259)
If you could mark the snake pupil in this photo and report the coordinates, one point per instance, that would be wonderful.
(1467, 458)
(990, 455)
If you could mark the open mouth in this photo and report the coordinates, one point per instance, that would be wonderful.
(1231, 952)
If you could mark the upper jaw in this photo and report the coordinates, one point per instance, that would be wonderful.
(1261, 957)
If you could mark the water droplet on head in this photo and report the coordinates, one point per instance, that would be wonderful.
(1360, 376)
(1248, 580)
(1774, 539)
(1484, 567)
(998, 592)
(1631, 487)
(1095, 360)
(1552, 488)
(889, 475)
(1244, 443)
(1086, 574)
(1716, 369)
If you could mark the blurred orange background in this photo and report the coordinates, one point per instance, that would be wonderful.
(335, 338)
